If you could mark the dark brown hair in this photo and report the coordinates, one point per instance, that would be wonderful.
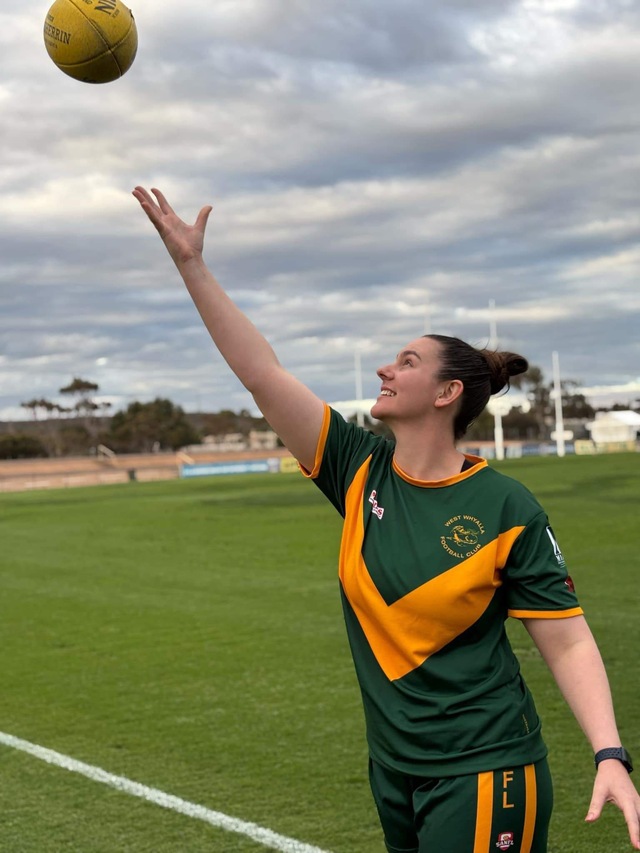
(483, 372)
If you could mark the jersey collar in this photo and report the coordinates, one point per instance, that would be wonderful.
(477, 463)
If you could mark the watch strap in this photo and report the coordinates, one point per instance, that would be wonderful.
(618, 752)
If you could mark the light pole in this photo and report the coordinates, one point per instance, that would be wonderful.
(557, 393)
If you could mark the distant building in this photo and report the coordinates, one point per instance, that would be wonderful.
(230, 441)
(615, 428)
(264, 439)
(233, 442)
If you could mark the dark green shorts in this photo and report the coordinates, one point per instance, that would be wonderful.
(500, 810)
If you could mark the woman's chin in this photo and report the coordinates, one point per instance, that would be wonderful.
(377, 411)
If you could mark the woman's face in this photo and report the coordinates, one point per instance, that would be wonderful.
(409, 385)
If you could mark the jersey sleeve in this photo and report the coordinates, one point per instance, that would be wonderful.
(341, 450)
(536, 578)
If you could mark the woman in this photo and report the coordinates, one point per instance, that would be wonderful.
(437, 550)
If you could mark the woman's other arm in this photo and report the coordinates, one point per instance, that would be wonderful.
(571, 653)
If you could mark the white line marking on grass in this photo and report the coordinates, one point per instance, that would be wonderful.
(231, 824)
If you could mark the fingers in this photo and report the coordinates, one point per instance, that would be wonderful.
(626, 798)
(149, 206)
(149, 202)
(203, 216)
(143, 196)
(630, 808)
(168, 224)
(595, 808)
(633, 823)
(164, 205)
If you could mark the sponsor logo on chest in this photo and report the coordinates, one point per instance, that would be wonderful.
(377, 509)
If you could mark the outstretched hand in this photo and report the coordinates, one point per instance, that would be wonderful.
(184, 242)
(613, 785)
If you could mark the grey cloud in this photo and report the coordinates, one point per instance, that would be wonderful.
(376, 36)
(596, 15)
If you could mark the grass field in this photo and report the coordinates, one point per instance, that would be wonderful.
(188, 635)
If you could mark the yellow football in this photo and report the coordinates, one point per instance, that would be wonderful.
(92, 40)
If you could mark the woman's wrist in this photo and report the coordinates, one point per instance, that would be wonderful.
(615, 753)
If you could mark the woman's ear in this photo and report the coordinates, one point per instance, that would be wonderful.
(449, 393)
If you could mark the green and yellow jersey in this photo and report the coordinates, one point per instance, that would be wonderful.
(429, 572)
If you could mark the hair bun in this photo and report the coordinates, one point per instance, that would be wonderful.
(503, 365)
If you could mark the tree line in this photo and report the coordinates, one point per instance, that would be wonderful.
(81, 426)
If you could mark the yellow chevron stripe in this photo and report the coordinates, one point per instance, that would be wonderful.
(404, 634)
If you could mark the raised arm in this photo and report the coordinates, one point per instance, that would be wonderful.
(294, 412)
(571, 653)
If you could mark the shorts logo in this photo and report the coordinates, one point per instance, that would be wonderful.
(505, 840)
(463, 535)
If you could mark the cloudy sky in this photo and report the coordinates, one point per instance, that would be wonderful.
(377, 168)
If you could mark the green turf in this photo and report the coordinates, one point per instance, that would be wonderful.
(188, 635)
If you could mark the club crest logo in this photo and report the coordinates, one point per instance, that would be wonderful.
(463, 536)
(505, 840)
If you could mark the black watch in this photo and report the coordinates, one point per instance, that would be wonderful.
(618, 752)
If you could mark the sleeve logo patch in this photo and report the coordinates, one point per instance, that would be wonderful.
(505, 840)
(556, 548)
